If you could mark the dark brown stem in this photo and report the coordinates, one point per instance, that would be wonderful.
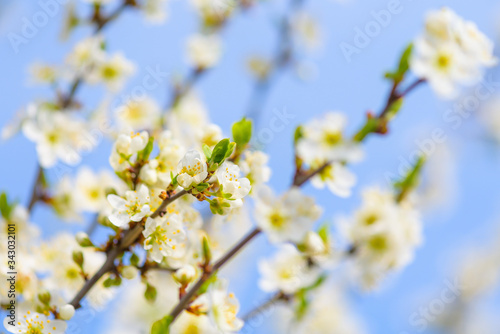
(193, 291)
(280, 296)
(35, 191)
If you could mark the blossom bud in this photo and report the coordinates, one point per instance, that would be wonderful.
(83, 239)
(66, 312)
(185, 275)
(313, 243)
(129, 272)
(44, 297)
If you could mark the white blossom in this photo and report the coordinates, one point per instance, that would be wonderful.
(192, 169)
(323, 141)
(255, 165)
(139, 114)
(33, 322)
(337, 178)
(204, 51)
(164, 235)
(228, 175)
(451, 52)
(125, 149)
(287, 271)
(58, 137)
(112, 71)
(222, 308)
(286, 218)
(134, 207)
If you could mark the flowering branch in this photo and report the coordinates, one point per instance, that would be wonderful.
(128, 239)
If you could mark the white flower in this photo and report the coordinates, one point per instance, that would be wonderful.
(192, 169)
(125, 148)
(112, 71)
(204, 51)
(33, 322)
(134, 207)
(254, 165)
(57, 136)
(222, 307)
(451, 52)
(384, 234)
(64, 200)
(286, 218)
(288, 271)
(90, 190)
(228, 175)
(139, 114)
(43, 73)
(306, 30)
(210, 135)
(85, 55)
(154, 11)
(67, 312)
(164, 235)
(337, 178)
(323, 141)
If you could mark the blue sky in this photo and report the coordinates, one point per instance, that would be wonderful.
(352, 87)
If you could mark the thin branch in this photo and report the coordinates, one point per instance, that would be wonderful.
(187, 298)
(35, 191)
(279, 296)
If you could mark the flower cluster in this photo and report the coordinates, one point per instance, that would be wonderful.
(451, 52)
(384, 234)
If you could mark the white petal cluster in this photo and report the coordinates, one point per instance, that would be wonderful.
(138, 114)
(58, 136)
(285, 218)
(221, 307)
(323, 141)
(164, 236)
(125, 149)
(451, 52)
(91, 188)
(157, 172)
(112, 71)
(192, 169)
(254, 164)
(33, 322)
(229, 178)
(204, 51)
(384, 234)
(155, 11)
(288, 271)
(133, 207)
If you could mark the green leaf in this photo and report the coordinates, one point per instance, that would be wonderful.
(323, 233)
(207, 283)
(5, 208)
(230, 150)
(146, 152)
(394, 108)
(410, 180)
(78, 258)
(220, 151)
(298, 134)
(162, 326)
(134, 260)
(207, 252)
(150, 293)
(207, 151)
(404, 65)
(242, 132)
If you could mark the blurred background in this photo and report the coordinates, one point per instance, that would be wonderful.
(461, 185)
